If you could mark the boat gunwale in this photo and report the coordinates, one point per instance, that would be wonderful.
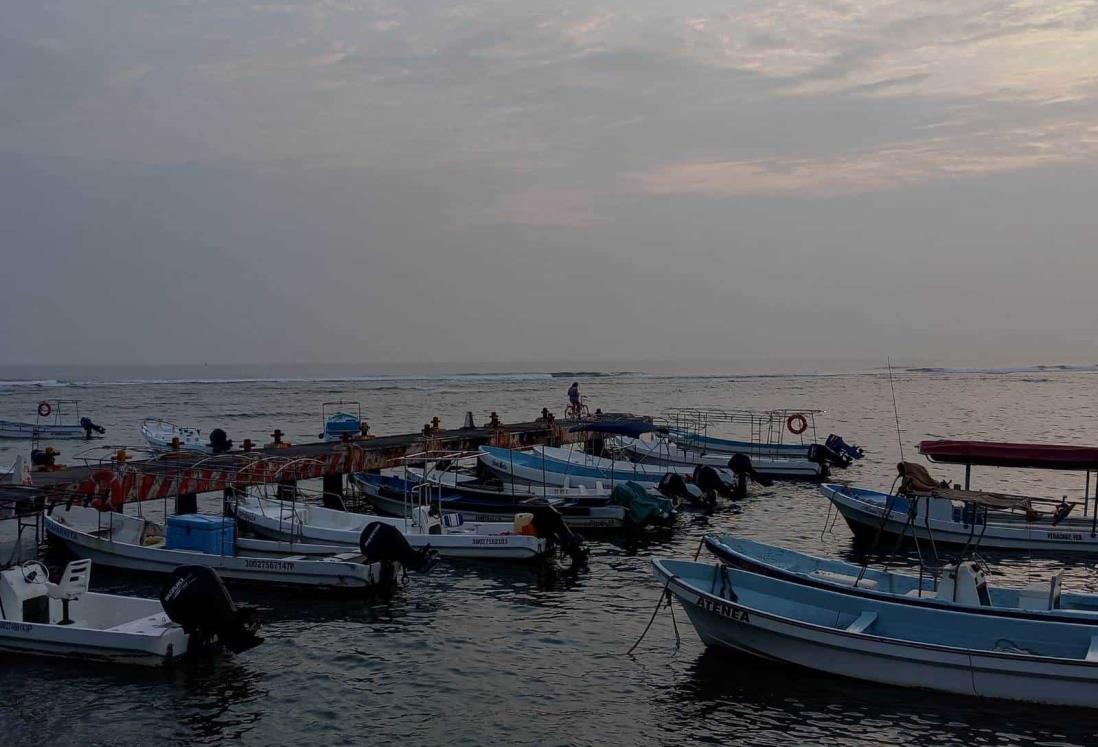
(675, 580)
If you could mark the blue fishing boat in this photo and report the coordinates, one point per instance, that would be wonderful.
(877, 640)
(963, 583)
(476, 501)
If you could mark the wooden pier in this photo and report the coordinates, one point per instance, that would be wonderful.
(178, 473)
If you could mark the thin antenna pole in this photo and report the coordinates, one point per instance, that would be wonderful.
(895, 409)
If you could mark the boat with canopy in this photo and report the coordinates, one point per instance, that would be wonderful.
(925, 509)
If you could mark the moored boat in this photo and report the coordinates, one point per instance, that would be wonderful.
(137, 544)
(298, 520)
(960, 584)
(886, 642)
(477, 501)
(162, 435)
(57, 419)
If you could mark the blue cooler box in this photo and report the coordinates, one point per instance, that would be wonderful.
(208, 534)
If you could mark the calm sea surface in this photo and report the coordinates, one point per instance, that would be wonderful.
(486, 653)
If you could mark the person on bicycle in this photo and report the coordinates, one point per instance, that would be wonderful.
(574, 396)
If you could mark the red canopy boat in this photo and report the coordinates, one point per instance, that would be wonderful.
(993, 454)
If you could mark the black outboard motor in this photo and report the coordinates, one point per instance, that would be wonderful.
(551, 525)
(830, 456)
(818, 454)
(219, 441)
(196, 599)
(384, 543)
(740, 465)
(713, 483)
(836, 443)
(674, 486)
(90, 427)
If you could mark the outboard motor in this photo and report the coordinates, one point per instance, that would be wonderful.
(740, 465)
(90, 427)
(830, 456)
(196, 599)
(836, 443)
(674, 486)
(711, 484)
(384, 543)
(549, 524)
(219, 441)
(818, 454)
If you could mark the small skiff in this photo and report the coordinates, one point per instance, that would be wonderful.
(872, 515)
(64, 619)
(963, 584)
(159, 434)
(298, 520)
(137, 544)
(882, 641)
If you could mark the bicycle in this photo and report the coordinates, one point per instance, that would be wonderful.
(577, 412)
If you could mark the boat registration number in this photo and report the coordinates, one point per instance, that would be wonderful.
(1069, 536)
(724, 610)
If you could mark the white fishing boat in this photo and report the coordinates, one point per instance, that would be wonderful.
(451, 538)
(959, 517)
(546, 465)
(66, 620)
(162, 435)
(665, 453)
(924, 508)
(886, 642)
(62, 618)
(477, 501)
(961, 584)
(138, 544)
(57, 419)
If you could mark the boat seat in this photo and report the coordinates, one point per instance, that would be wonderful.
(453, 519)
(844, 579)
(1092, 651)
(74, 582)
(862, 623)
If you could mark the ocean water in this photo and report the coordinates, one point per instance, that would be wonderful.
(482, 653)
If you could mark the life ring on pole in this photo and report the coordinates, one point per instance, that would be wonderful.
(104, 480)
(44, 409)
(797, 424)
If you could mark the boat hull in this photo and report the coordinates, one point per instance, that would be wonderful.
(46, 432)
(869, 518)
(485, 546)
(293, 571)
(729, 624)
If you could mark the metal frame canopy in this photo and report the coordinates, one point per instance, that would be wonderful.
(1019, 455)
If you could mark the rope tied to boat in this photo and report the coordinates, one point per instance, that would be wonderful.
(665, 594)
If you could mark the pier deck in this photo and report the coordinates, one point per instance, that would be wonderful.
(176, 473)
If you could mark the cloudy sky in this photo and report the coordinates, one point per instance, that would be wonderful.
(442, 181)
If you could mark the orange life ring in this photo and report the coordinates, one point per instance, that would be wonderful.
(104, 480)
(797, 424)
(44, 409)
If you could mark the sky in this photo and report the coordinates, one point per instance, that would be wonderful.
(303, 182)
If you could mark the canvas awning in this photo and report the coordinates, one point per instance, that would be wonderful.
(998, 454)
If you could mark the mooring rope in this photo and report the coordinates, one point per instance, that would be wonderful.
(659, 602)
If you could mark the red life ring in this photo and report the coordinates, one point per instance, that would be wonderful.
(104, 480)
(44, 409)
(797, 424)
